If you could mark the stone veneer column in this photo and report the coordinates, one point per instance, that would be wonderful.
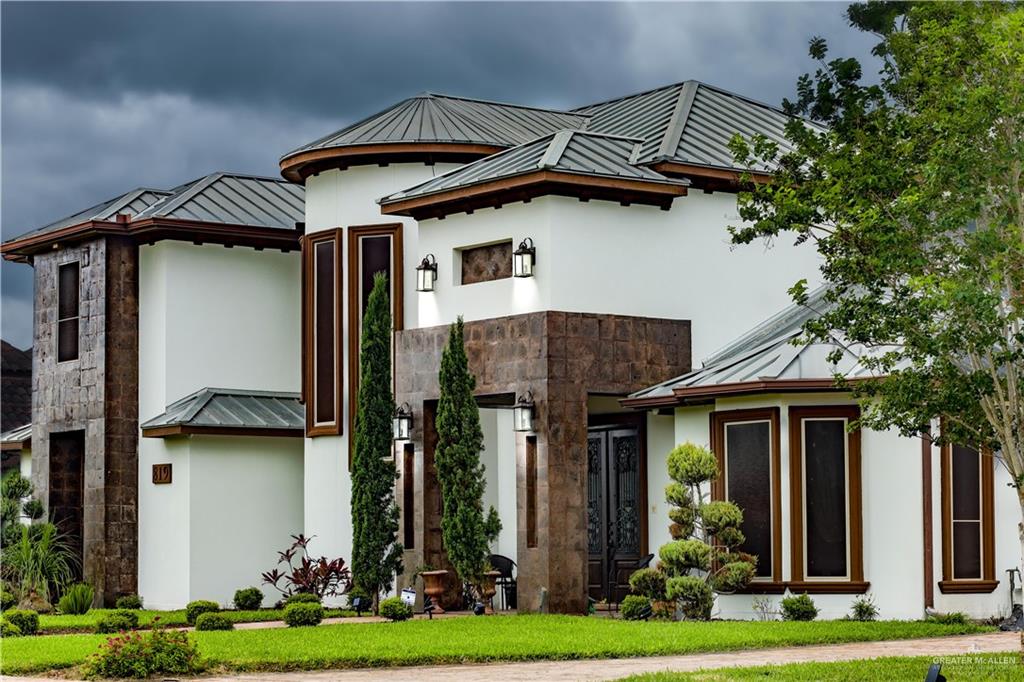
(96, 394)
(562, 358)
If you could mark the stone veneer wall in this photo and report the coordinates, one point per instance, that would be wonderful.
(96, 394)
(561, 357)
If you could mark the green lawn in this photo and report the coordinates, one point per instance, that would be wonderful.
(995, 667)
(471, 639)
(87, 622)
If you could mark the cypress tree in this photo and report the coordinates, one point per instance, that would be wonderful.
(457, 457)
(376, 554)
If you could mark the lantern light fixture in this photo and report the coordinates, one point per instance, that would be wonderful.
(523, 413)
(402, 422)
(524, 258)
(426, 273)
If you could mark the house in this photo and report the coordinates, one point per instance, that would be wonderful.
(196, 363)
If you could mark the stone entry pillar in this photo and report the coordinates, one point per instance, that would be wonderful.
(561, 358)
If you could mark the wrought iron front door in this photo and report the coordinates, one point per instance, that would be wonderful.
(615, 504)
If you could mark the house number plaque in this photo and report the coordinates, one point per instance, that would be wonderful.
(161, 474)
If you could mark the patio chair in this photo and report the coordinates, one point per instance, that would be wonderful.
(506, 582)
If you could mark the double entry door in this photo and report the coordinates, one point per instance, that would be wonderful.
(616, 504)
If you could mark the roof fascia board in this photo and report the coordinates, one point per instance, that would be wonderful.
(190, 430)
(293, 167)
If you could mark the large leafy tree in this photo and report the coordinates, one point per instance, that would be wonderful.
(464, 528)
(376, 554)
(912, 191)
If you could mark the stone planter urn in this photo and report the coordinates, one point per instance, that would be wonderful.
(433, 587)
(488, 589)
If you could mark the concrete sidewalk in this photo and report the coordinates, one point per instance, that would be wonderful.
(613, 669)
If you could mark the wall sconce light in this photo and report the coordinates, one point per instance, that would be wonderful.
(402, 422)
(426, 273)
(523, 413)
(524, 258)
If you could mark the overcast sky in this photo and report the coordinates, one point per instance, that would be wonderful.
(99, 98)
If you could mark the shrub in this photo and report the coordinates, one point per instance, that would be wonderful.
(648, 582)
(863, 608)
(8, 629)
(213, 621)
(718, 515)
(799, 607)
(25, 620)
(117, 621)
(635, 607)
(7, 600)
(394, 609)
(681, 555)
(954, 618)
(129, 601)
(302, 598)
(77, 599)
(320, 576)
(39, 560)
(137, 655)
(691, 464)
(302, 614)
(248, 599)
(732, 577)
(693, 594)
(194, 608)
(730, 537)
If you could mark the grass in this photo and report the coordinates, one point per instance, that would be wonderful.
(87, 622)
(995, 667)
(461, 640)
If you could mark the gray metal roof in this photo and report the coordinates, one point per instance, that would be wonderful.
(132, 203)
(234, 199)
(16, 438)
(430, 117)
(228, 408)
(771, 352)
(567, 151)
(689, 122)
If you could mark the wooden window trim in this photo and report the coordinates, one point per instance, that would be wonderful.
(719, 420)
(988, 582)
(309, 243)
(394, 230)
(856, 583)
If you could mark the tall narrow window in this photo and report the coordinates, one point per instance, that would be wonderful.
(968, 532)
(323, 333)
(746, 443)
(67, 312)
(531, 491)
(825, 481)
(371, 249)
(409, 496)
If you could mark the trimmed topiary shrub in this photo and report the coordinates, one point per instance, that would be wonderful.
(77, 599)
(302, 598)
(248, 599)
(635, 607)
(117, 621)
(7, 600)
(194, 608)
(648, 582)
(693, 594)
(303, 614)
(25, 620)
(394, 609)
(129, 601)
(732, 577)
(691, 464)
(136, 655)
(864, 609)
(8, 629)
(213, 621)
(800, 607)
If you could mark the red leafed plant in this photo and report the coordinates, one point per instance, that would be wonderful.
(320, 576)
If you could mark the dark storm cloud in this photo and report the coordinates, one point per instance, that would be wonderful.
(99, 98)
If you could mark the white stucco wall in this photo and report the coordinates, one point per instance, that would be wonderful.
(208, 317)
(25, 463)
(601, 257)
(892, 517)
(499, 460)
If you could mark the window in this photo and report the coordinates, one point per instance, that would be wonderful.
(322, 332)
(531, 491)
(825, 483)
(371, 249)
(968, 531)
(409, 496)
(67, 312)
(746, 443)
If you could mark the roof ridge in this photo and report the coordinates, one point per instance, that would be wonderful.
(429, 94)
(555, 149)
(191, 190)
(680, 117)
(629, 96)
